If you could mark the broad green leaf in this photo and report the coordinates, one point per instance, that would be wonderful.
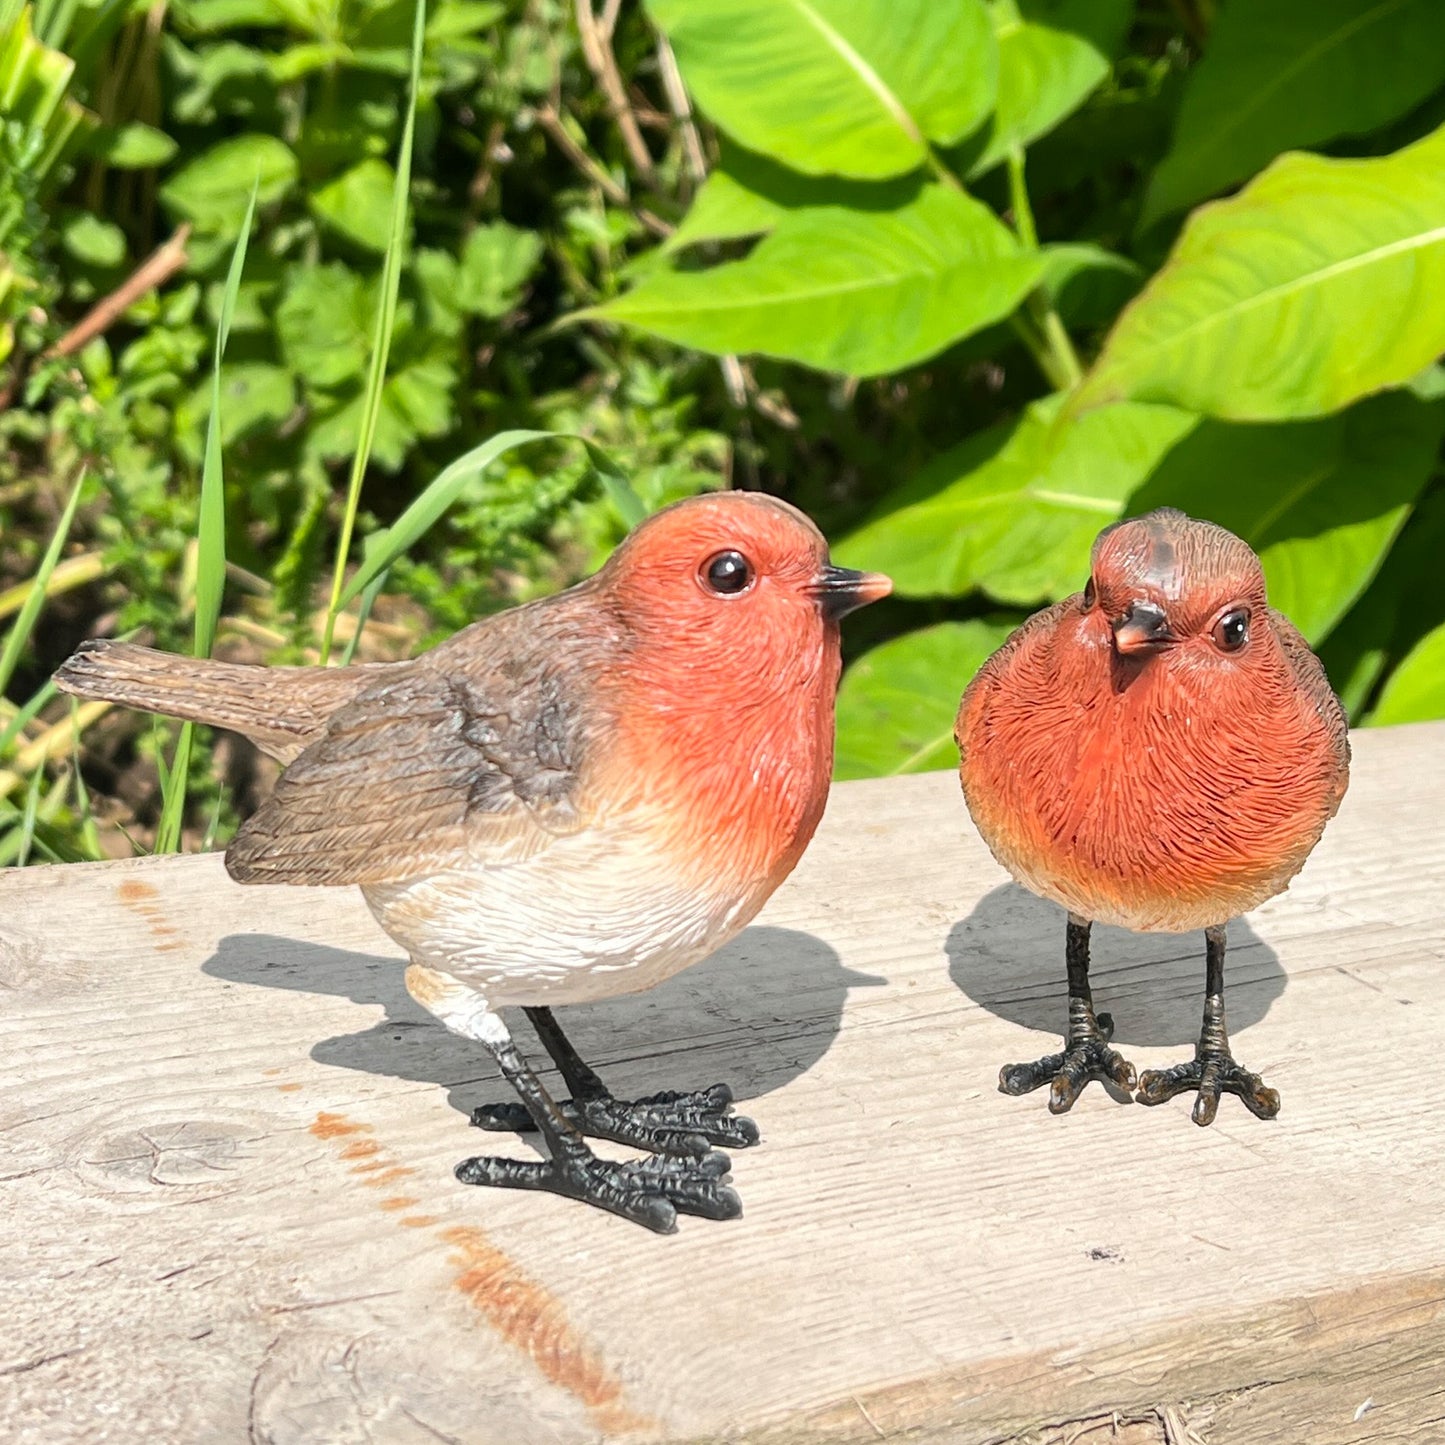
(844, 290)
(1320, 501)
(849, 87)
(1402, 604)
(1282, 74)
(1014, 511)
(213, 189)
(1416, 689)
(897, 704)
(1088, 284)
(495, 264)
(134, 147)
(1322, 281)
(357, 204)
(747, 194)
(1052, 54)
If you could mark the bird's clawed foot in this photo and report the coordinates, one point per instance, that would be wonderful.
(651, 1192)
(1086, 1056)
(1212, 1073)
(666, 1123)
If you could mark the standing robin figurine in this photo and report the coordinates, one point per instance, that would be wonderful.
(564, 802)
(1160, 752)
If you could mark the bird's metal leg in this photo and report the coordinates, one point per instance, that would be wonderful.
(1213, 1070)
(685, 1124)
(650, 1192)
(1086, 1054)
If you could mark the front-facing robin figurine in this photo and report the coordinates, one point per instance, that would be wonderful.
(1161, 751)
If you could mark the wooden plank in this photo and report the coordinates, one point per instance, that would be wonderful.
(227, 1139)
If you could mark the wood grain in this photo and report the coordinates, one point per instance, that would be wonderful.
(227, 1139)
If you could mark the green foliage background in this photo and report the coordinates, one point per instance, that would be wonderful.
(965, 279)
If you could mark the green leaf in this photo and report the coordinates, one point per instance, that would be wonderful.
(1320, 501)
(851, 87)
(357, 204)
(1400, 606)
(323, 324)
(1283, 74)
(134, 147)
(1014, 511)
(844, 290)
(213, 189)
(1416, 689)
(747, 194)
(254, 395)
(383, 548)
(1052, 54)
(897, 704)
(1322, 281)
(209, 16)
(93, 241)
(385, 327)
(457, 19)
(1088, 284)
(495, 264)
(24, 624)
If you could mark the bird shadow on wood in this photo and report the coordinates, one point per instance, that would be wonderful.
(756, 1014)
(1008, 957)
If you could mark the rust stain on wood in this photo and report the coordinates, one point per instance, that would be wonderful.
(288, 1088)
(534, 1321)
(333, 1126)
(143, 899)
(521, 1310)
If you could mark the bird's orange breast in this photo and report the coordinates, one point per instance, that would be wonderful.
(1162, 798)
(732, 775)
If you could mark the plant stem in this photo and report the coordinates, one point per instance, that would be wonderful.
(1062, 369)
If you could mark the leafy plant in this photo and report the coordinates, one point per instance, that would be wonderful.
(1314, 288)
(926, 267)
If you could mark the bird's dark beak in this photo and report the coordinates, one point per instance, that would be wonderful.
(840, 590)
(1142, 629)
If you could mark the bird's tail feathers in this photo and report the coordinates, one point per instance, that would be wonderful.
(280, 709)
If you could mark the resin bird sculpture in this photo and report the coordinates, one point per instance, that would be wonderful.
(564, 802)
(1161, 752)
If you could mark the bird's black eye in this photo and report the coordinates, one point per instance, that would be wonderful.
(1231, 632)
(1091, 595)
(727, 573)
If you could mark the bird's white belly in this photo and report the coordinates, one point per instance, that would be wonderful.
(594, 915)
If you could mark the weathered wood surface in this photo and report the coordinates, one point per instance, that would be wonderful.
(227, 1139)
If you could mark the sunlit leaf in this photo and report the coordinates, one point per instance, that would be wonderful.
(852, 87)
(1322, 281)
(1320, 501)
(846, 290)
(897, 704)
(1415, 691)
(1284, 74)
(1014, 511)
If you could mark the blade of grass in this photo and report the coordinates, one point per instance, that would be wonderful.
(89, 833)
(24, 623)
(368, 601)
(27, 821)
(210, 544)
(381, 338)
(383, 548)
(25, 716)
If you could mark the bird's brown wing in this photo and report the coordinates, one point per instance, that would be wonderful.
(435, 766)
(1309, 673)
